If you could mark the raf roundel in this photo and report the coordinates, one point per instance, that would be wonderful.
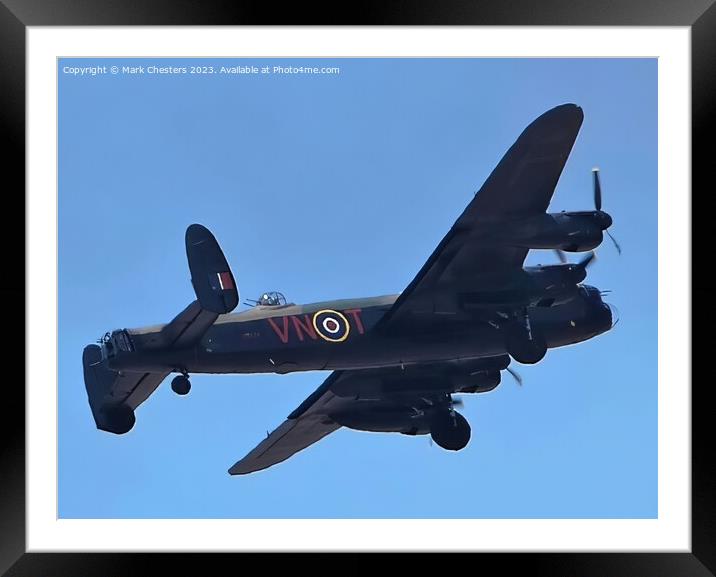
(331, 326)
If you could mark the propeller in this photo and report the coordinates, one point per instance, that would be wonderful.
(584, 263)
(455, 402)
(597, 189)
(561, 256)
(587, 260)
(515, 375)
(598, 206)
(615, 313)
(614, 240)
(605, 221)
(580, 268)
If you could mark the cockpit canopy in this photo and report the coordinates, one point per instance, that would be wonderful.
(271, 299)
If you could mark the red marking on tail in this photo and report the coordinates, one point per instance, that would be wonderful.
(225, 280)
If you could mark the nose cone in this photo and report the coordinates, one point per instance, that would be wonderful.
(605, 318)
(579, 273)
(605, 220)
(601, 316)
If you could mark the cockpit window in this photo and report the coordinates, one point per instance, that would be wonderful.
(271, 299)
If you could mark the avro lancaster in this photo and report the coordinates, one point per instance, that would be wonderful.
(397, 360)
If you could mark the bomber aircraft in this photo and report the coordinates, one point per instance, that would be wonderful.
(397, 360)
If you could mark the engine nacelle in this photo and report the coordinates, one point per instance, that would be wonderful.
(384, 417)
(417, 379)
(569, 231)
(532, 286)
(555, 284)
(482, 382)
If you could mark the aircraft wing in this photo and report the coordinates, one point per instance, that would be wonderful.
(520, 186)
(291, 437)
(347, 391)
(306, 425)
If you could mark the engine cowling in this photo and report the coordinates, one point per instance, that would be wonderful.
(480, 383)
(577, 231)
(384, 417)
(413, 380)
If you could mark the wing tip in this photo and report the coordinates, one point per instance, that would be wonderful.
(241, 468)
(562, 121)
(567, 109)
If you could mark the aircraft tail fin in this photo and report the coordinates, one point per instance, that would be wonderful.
(113, 395)
(211, 276)
(108, 416)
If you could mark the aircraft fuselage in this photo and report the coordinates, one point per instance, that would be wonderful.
(339, 335)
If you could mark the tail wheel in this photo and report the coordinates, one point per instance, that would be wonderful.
(181, 385)
(450, 430)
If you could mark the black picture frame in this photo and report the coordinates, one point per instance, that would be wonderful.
(17, 15)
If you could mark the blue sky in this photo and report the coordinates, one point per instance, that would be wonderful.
(338, 186)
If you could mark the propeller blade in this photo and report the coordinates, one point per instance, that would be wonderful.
(515, 375)
(614, 240)
(597, 190)
(457, 402)
(561, 256)
(587, 260)
(615, 314)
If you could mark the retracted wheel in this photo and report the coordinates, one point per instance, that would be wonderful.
(181, 385)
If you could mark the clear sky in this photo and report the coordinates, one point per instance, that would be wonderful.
(340, 186)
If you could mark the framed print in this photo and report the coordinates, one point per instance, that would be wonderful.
(326, 162)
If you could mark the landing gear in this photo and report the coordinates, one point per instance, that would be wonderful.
(181, 384)
(523, 344)
(450, 430)
(524, 350)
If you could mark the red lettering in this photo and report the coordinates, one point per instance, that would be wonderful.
(283, 335)
(355, 313)
(305, 325)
